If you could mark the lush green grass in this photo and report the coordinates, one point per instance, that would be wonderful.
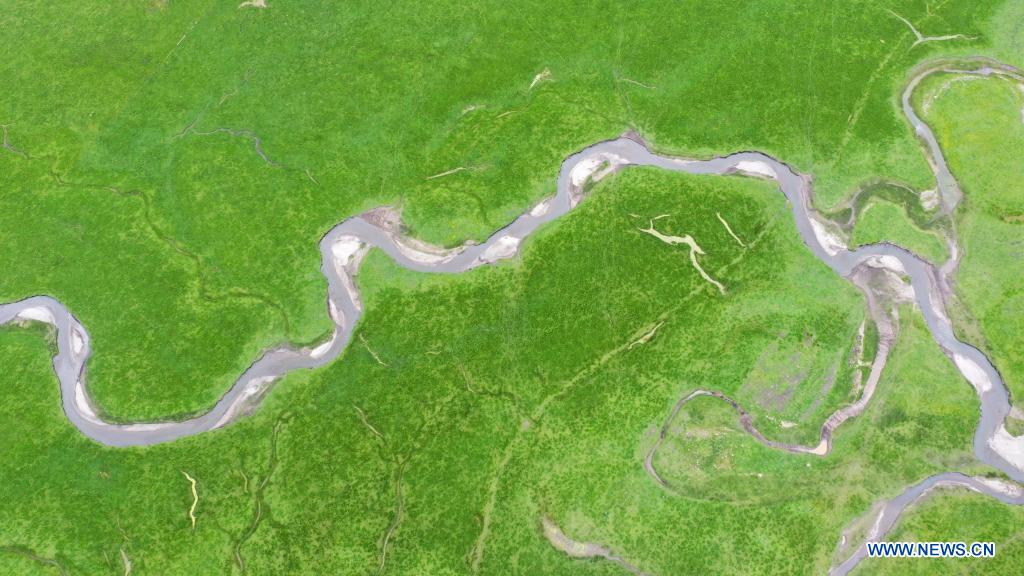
(979, 125)
(506, 393)
(471, 358)
(883, 221)
(220, 251)
(745, 508)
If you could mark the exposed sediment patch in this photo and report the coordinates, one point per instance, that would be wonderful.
(729, 230)
(695, 249)
(541, 76)
(126, 562)
(195, 498)
(576, 549)
(921, 38)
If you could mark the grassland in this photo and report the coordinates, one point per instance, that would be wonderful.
(507, 408)
(134, 189)
(957, 516)
(883, 221)
(980, 125)
(355, 106)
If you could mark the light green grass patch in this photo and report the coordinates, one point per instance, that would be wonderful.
(882, 221)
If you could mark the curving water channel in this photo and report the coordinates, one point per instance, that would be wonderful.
(343, 247)
(885, 519)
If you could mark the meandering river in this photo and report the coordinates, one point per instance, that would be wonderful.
(343, 246)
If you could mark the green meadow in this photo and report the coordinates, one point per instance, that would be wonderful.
(891, 214)
(495, 407)
(139, 213)
(168, 167)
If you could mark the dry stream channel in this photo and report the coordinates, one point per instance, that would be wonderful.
(344, 246)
